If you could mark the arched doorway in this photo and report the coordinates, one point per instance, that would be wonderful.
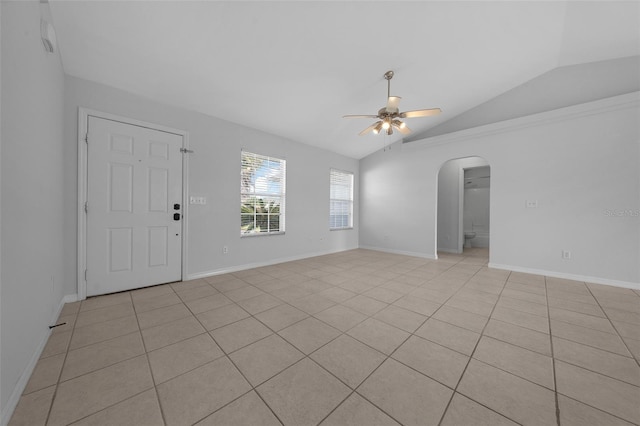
(464, 207)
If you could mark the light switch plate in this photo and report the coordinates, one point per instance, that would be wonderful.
(197, 200)
(531, 204)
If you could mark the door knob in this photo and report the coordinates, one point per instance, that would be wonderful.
(176, 206)
(176, 216)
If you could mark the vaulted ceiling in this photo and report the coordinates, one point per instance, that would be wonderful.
(294, 68)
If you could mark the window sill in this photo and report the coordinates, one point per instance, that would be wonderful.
(340, 229)
(261, 234)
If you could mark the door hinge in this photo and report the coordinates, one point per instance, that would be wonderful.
(86, 138)
(85, 274)
(86, 207)
(186, 151)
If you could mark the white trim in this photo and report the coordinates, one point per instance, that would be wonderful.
(70, 298)
(13, 400)
(83, 117)
(351, 196)
(461, 210)
(246, 266)
(403, 252)
(614, 103)
(185, 204)
(584, 278)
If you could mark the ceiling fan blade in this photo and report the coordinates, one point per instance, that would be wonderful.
(368, 129)
(404, 130)
(420, 113)
(359, 116)
(392, 104)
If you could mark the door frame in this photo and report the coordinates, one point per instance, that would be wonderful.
(83, 121)
(461, 210)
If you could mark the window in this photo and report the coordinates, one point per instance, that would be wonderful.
(262, 194)
(341, 200)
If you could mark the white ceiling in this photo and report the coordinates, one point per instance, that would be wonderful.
(294, 68)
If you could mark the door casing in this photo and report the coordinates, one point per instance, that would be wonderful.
(83, 118)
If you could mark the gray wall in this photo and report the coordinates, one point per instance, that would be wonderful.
(581, 164)
(214, 172)
(39, 190)
(558, 88)
(449, 238)
(33, 209)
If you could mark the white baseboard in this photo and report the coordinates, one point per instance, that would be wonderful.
(403, 252)
(10, 407)
(584, 278)
(69, 298)
(246, 266)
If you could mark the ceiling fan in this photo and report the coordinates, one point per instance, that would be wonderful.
(389, 117)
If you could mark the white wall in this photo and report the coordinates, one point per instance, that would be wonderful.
(2, 404)
(449, 182)
(581, 163)
(33, 211)
(214, 172)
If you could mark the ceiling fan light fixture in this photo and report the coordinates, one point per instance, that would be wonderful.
(399, 124)
(389, 131)
(386, 124)
(378, 127)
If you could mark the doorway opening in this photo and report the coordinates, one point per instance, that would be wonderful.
(463, 215)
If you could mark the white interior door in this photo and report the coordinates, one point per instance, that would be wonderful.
(134, 206)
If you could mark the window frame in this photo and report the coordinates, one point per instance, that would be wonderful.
(332, 226)
(263, 194)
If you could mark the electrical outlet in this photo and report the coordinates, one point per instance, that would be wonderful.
(225, 250)
(566, 254)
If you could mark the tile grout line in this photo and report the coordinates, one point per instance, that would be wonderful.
(55, 391)
(614, 327)
(381, 285)
(553, 358)
(146, 354)
(455, 390)
(101, 368)
(308, 356)
(355, 390)
(411, 334)
(587, 369)
(371, 316)
(226, 355)
(564, 361)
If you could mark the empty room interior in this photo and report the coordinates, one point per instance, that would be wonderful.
(320, 213)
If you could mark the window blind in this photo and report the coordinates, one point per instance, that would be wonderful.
(340, 200)
(262, 194)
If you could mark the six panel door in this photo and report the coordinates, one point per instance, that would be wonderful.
(134, 195)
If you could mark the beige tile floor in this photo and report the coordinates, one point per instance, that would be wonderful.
(354, 338)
